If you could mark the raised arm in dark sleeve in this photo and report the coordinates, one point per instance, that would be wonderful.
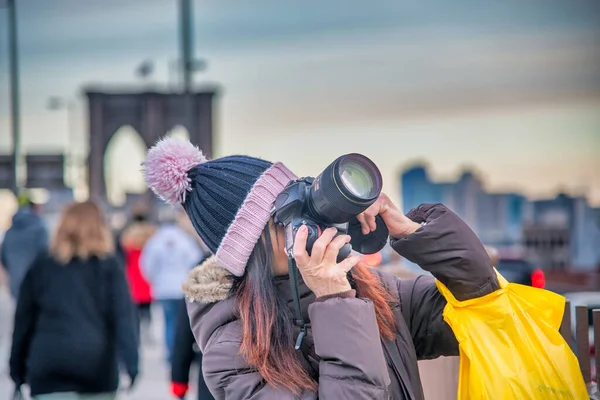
(450, 250)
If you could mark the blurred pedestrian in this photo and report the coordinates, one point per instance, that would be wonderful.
(185, 353)
(138, 208)
(166, 260)
(133, 239)
(23, 242)
(74, 314)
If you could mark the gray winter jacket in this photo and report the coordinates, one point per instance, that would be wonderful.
(25, 240)
(343, 349)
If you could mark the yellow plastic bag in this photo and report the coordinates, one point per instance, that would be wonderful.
(510, 345)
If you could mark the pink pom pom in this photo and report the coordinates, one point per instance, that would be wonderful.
(166, 168)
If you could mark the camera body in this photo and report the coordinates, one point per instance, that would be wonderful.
(293, 210)
(346, 188)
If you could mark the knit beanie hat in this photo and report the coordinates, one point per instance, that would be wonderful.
(228, 200)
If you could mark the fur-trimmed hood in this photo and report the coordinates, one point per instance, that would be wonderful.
(208, 283)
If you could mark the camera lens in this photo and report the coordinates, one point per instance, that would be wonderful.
(347, 187)
(357, 178)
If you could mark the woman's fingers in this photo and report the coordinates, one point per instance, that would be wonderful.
(363, 223)
(300, 255)
(320, 271)
(367, 219)
(349, 263)
(334, 248)
(320, 246)
(372, 222)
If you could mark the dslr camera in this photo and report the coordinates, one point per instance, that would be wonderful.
(346, 188)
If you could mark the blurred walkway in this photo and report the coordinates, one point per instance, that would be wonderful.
(153, 383)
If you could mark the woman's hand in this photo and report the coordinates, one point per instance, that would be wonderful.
(320, 271)
(397, 223)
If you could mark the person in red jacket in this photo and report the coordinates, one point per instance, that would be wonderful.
(133, 240)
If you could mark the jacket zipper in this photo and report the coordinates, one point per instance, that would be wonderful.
(396, 368)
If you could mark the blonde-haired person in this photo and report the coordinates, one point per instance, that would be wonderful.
(74, 314)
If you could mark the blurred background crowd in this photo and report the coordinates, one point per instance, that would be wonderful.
(492, 108)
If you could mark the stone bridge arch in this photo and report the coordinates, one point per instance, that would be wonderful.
(151, 114)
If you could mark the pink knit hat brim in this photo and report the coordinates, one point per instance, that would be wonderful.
(247, 227)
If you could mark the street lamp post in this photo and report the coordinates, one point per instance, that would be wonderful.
(13, 57)
(187, 46)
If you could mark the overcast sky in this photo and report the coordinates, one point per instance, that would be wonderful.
(511, 87)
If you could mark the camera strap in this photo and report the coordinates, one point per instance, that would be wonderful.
(299, 319)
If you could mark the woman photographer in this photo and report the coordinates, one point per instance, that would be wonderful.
(365, 333)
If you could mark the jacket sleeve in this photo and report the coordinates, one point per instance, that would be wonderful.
(450, 250)
(24, 324)
(123, 319)
(347, 341)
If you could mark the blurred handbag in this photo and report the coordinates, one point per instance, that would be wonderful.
(510, 345)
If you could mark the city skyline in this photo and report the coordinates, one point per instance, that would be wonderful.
(449, 176)
(553, 233)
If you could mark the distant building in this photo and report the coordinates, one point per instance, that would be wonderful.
(580, 220)
(417, 189)
(548, 246)
(501, 217)
(554, 233)
(496, 218)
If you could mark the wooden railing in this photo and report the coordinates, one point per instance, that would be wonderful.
(579, 341)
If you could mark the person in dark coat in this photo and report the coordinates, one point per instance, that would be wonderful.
(186, 353)
(365, 329)
(26, 239)
(75, 315)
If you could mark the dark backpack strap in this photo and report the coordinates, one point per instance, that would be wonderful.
(391, 350)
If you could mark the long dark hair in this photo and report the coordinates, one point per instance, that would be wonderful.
(267, 327)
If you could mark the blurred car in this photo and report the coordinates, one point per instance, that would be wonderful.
(521, 272)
